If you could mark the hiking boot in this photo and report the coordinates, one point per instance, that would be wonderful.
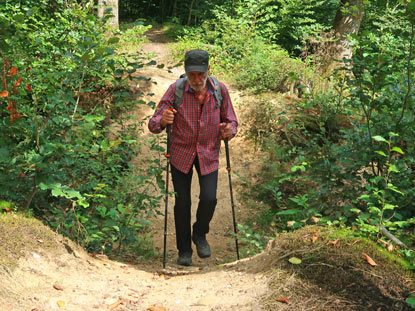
(185, 259)
(202, 245)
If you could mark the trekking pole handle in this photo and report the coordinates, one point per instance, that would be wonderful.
(228, 161)
(168, 130)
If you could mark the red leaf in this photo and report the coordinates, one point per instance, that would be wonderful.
(283, 300)
(10, 107)
(18, 82)
(15, 91)
(13, 71)
(4, 94)
(28, 88)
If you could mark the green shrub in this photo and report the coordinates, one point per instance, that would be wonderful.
(132, 36)
(349, 150)
(240, 54)
(267, 67)
(60, 155)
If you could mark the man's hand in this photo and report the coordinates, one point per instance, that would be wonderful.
(167, 117)
(225, 130)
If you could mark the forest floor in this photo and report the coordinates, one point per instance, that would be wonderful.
(55, 274)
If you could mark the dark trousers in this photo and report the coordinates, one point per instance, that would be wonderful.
(182, 208)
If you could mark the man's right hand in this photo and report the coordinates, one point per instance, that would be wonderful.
(167, 117)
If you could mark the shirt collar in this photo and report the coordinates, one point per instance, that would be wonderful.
(211, 87)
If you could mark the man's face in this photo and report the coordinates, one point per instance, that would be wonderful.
(197, 79)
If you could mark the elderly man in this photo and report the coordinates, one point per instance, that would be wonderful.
(200, 112)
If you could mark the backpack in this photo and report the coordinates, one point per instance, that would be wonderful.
(180, 84)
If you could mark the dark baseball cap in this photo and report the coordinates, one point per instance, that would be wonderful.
(196, 60)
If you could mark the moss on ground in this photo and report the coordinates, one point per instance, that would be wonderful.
(23, 235)
(334, 274)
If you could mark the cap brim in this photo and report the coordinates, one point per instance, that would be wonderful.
(196, 68)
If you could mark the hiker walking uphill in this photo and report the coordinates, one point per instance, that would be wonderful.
(199, 110)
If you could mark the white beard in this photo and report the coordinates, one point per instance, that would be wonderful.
(199, 86)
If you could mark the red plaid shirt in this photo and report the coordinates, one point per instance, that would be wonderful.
(195, 129)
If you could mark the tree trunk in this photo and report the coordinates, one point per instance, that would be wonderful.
(347, 23)
(107, 4)
(162, 11)
(190, 13)
(174, 11)
(233, 8)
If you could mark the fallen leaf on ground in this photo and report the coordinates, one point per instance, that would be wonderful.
(57, 287)
(60, 303)
(90, 263)
(156, 308)
(315, 219)
(369, 260)
(353, 243)
(390, 247)
(335, 243)
(295, 260)
(290, 223)
(283, 300)
(314, 239)
(115, 304)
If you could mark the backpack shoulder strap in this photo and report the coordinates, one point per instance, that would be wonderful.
(178, 94)
(180, 84)
(218, 91)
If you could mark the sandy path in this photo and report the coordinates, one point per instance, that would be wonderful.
(83, 283)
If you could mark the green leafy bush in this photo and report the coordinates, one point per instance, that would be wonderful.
(287, 23)
(239, 53)
(65, 143)
(132, 36)
(356, 140)
(266, 67)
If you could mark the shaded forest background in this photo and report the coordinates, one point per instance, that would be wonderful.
(334, 114)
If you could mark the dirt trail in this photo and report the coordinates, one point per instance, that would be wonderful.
(84, 283)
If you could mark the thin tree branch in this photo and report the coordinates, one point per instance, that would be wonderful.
(405, 103)
(391, 237)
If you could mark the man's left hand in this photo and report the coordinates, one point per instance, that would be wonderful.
(225, 130)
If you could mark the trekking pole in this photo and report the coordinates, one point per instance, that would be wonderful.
(228, 168)
(166, 199)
